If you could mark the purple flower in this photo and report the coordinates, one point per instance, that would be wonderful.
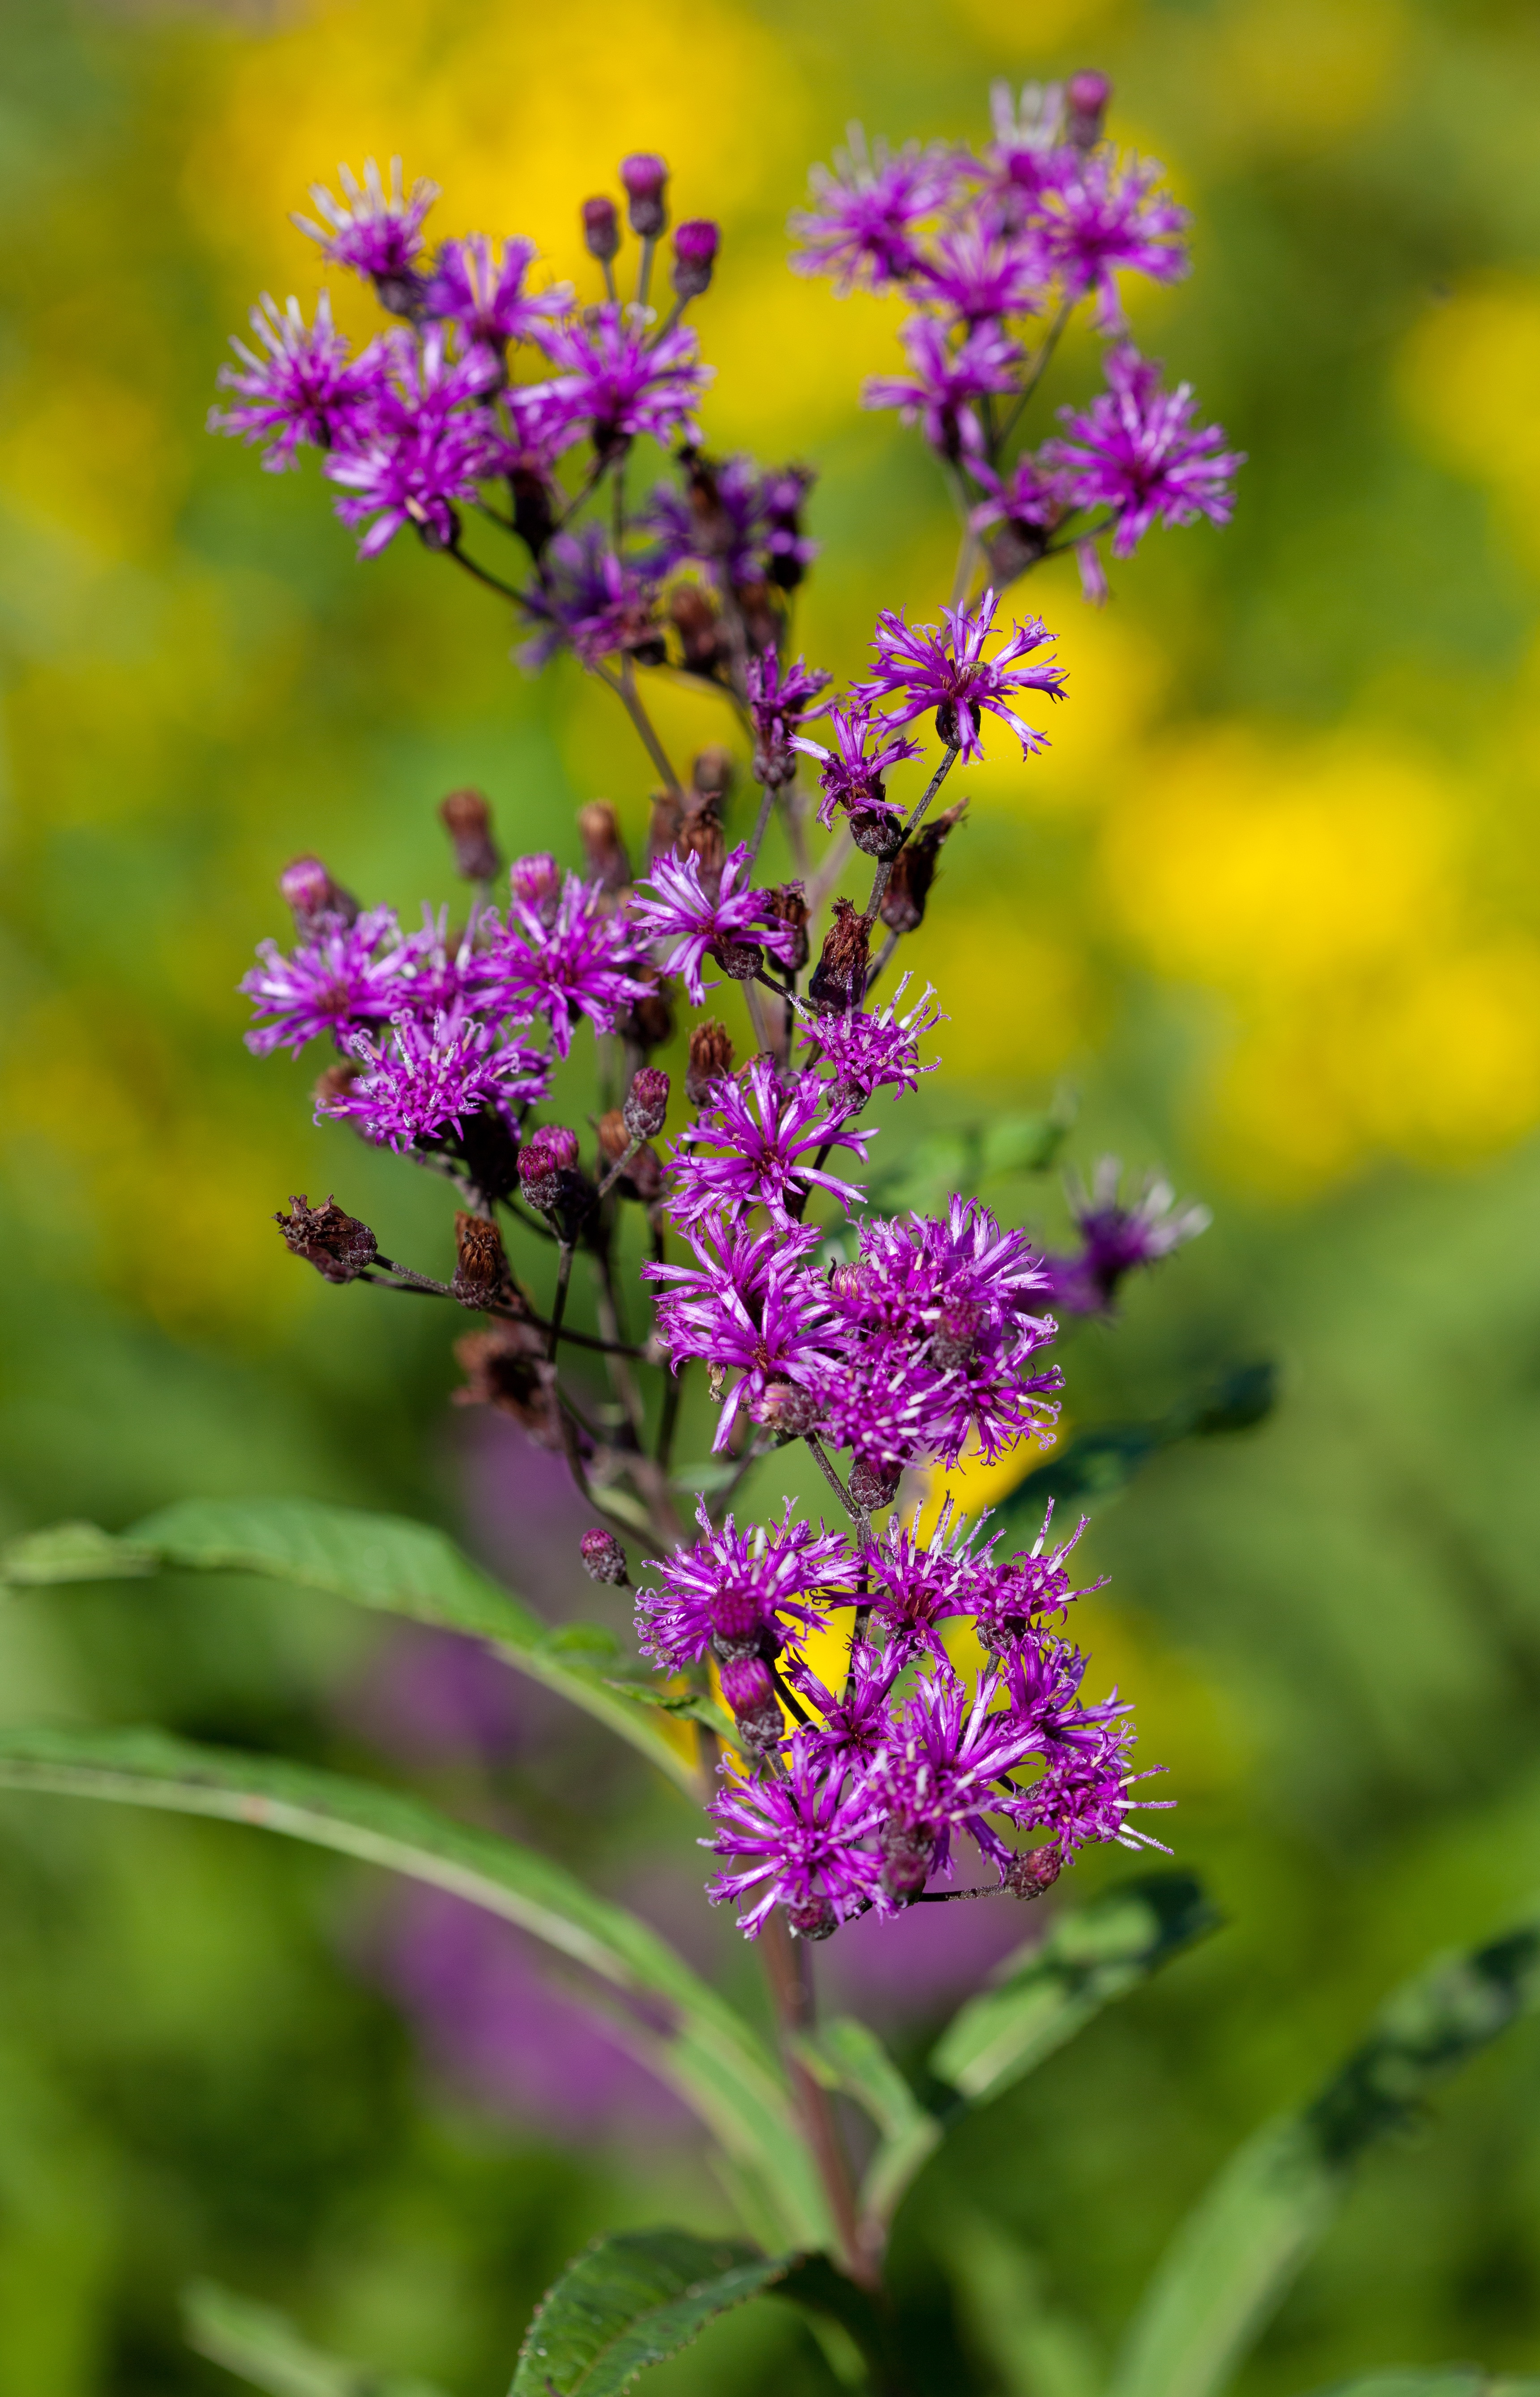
(483, 295)
(732, 518)
(1136, 451)
(917, 1587)
(766, 1133)
(747, 1590)
(938, 1776)
(1115, 1237)
(1030, 496)
(849, 776)
(981, 278)
(613, 378)
(940, 393)
(749, 1305)
(778, 698)
(797, 1841)
(1079, 1799)
(924, 668)
(307, 388)
(591, 601)
(570, 959)
(1106, 215)
(865, 225)
(375, 231)
(347, 975)
(676, 905)
(1009, 1599)
(874, 1051)
(851, 1729)
(422, 1082)
(423, 446)
(1026, 158)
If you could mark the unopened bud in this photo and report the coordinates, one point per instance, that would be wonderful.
(1027, 1876)
(876, 832)
(547, 1156)
(694, 257)
(468, 821)
(1086, 97)
(908, 1852)
(839, 977)
(481, 1268)
(308, 888)
(710, 779)
(536, 883)
(873, 1482)
(813, 1920)
(914, 871)
(604, 1559)
(646, 1107)
(645, 177)
(601, 228)
(695, 621)
(338, 1245)
(747, 1687)
(710, 1061)
(789, 907)
(602, 849)
(788, 1407)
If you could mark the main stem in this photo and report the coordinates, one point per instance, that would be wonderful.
(788, 1970)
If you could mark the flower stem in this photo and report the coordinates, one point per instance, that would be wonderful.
(821, 1457)
(480, 573)
(623, 684)
(880, 878)
(762, 826)
(788, 1970)
(563, 1278)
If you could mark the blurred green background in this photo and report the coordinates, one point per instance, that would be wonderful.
(1272, 905)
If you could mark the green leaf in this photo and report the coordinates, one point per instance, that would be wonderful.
(633, 2301)
(844, 2055)
(264, 2348)
(1103, 1461)
(710, 2055)
(1227, 2270)
(1443, 2380)
(1034, 2348)
(403, 1568)
(1045, 1993)
(72, 1552)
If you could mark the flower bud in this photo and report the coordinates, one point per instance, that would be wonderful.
(663, 829)
(739, 960)
(601, 228)
(645, 177)
(547, 1158)
(876, 832)
(788, 1407)
(788, 905)
(839, 977)
(815, 1920)
(710, 779)
(338, 1245)
(646, 1107)
(534, 509)
(468, 821)
(908, 1852)
(873, 1482)
(308, 888)
(481, 1276)
(602, 849)
(902, 907)
(1028, 1875)
(747, 1687)
(536, 883)
(694, 256)
(604, 1559)
(710, 1061)
(695, 621)
(1086, 97)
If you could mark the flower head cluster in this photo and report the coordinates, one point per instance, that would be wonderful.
(924, 668)
(1136, 451)
(307, 388)
(1116, 1238)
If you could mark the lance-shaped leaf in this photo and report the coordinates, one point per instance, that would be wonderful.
(633, 2301)
(263, 2347)
(1104, 1460)
(711, 2055)
(382, 1562)
(1227, 2270)
(1044, 1994)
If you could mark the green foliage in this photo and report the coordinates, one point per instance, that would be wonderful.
(633, 2301)
(1451, 2381)
(1098, 1465)
(65, 1552)
(714, 2060)
(263, 2346)
(1231, 2261)
(1092, 1955)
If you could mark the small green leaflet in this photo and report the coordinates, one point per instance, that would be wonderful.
(1044, 1994)
(713, 2058)
(633, 2301)
(1228, 2268)
(263, 2347)
(382, 1562)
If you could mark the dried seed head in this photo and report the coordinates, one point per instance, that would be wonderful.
(604, 1559)
(664, 830)
(696, 622)
(601, 227)
(645, 177)
(338, 1245)
(502, 1369)
(649, 1021)
(710, 779)
(468, 821)
(602, 849)
(334, 1081)
(481, 1277)
(839, 977)
(788, 905)
(646, 1102)
(904, 902)
(710, 1061)
(876, 832)
(695, 246)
